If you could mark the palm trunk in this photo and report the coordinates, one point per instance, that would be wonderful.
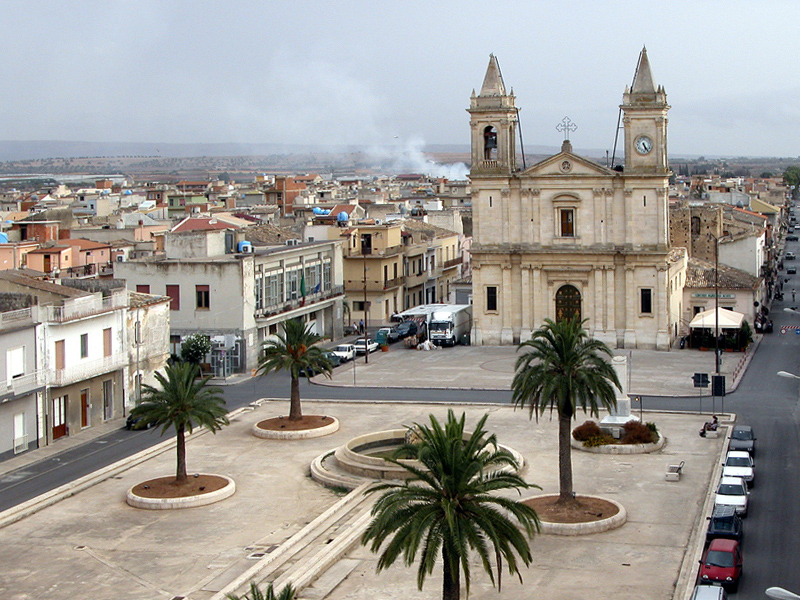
(295, 412)
(564, 460)
(451, 582)
(180, 445)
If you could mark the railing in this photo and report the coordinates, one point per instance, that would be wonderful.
(23, 383)
(81, 308)
(454, 262)
(15, 318)
(87, 369)
(373, 252)
(395, 282)
(287, 305)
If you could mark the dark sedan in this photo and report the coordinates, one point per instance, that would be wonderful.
(742, 438)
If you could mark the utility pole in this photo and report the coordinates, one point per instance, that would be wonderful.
(366, 313)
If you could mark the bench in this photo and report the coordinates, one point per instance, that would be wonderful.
(674, 471)
(712, 434)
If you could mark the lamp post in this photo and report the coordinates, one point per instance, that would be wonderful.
(780, 594)
(787, 375)
(366, 313)
(717, 240)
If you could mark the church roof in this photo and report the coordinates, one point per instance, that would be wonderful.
(700, 274)
(643, 80)
(493, 81)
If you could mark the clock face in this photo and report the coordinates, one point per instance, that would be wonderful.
(643, 144)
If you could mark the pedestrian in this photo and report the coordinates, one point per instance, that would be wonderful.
(361, 327)
(792, 294)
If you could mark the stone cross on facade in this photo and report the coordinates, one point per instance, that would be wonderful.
(566, 125)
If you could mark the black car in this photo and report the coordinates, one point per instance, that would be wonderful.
(133, 423)
(742, 438)
(792, 238)
(724, 523)
(334, 359)
(791, 270)
(403, 330)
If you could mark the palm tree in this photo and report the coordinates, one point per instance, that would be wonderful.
(294, 350)
(181, 401)
(564, 369)
(448, 507)
(287, 593)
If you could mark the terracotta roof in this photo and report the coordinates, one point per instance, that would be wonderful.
(138, 299)
(83, 244)
(427, 230)
(200, 224)
(45, 286)
(700, 274)
(269, 235)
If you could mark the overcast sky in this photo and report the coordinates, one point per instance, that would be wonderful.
(385, 73)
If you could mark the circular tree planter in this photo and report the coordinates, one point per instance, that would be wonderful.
(596, 516)
(620, 448)
(310, 426)
(160, 494)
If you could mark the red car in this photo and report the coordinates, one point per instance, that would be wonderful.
(722, 563)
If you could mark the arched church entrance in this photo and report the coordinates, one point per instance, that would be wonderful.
(568, 303)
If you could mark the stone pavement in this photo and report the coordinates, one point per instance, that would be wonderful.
(492, 368)
(93, 545)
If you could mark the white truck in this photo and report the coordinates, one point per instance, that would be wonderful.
(448, 324)
(345, 352)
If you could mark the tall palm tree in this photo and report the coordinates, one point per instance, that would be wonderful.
(563, 369)
(182, 401)
(448, 507)
(287, 593)
(293, 349)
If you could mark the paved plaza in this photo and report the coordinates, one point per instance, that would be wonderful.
(93, 545)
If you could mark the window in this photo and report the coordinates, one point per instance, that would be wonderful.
(203, 299)
(143, 289)
(567, 222)
(15, 363)
(491, 298)
(107, 342)
(646, 304)
(174, 292)
(84, 345)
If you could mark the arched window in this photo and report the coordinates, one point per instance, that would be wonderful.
(489, 143)
(568, 303)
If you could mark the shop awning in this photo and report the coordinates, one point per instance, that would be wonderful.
(728, 319)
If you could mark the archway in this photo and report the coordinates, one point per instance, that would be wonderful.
(568, 303)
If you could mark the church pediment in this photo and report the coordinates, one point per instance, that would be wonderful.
(569, 164)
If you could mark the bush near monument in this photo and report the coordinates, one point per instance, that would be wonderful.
(634, 432)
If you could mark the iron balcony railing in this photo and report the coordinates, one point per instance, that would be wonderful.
(275, 308)
(87, 369)
(81, 308)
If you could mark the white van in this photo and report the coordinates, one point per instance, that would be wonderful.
(709, 592)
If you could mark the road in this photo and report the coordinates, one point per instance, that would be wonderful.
(763, 400)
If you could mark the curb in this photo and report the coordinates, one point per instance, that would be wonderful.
(575, 529)
(34, 505)
(184, 502)
(620, 448)
(303, 434)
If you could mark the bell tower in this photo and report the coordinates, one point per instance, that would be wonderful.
(493, 121)
(645, 118)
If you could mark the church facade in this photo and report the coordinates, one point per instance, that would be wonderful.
(569, 237)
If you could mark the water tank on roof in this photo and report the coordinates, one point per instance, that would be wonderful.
(317, 210)
(128, 192)
(342, 217)
(324, 211)
(3, 238)
(245, 247)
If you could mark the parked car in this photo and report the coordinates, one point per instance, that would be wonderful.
(709, 592)
(742, 438)
(739, 463)
(792, 238)
(371, 345)
(724, 523)
(345, 352)
(791, 270)
(332, 357)
(722, 563)
(133, 423)
(732, 491)
(403, 330)
(789, 256)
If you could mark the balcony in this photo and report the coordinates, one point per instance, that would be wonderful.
(373, 252)
(82, 308)
(291, 304)
(24, 384)
(87, 369)
(449, 264)
(16, 318)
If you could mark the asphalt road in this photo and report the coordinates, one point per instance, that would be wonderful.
(763, 400)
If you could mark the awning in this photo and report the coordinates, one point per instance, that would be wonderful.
(728, 319)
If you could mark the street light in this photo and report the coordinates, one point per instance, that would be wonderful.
(717, 240)
(787, 375)
(781, 594)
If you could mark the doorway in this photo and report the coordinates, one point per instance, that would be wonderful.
(568, 303)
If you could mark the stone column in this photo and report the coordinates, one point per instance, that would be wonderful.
(630, 308)
(527, 302)
(506, 309)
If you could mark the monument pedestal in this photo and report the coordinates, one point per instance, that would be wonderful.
(620, 415)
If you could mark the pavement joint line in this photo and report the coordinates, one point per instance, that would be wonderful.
(42, 501)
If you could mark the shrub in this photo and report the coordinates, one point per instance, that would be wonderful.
(601, 439)
(586, 431)
(636, 432)
(654, 430)
(195, 347)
